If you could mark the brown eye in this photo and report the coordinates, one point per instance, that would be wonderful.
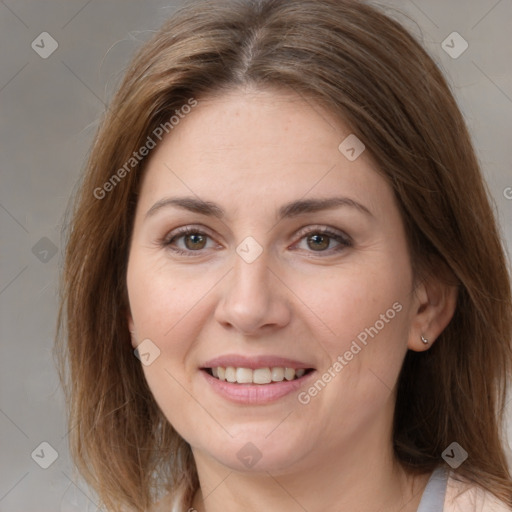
(188, 241)
(318, 242)
(323, 241)
(194, 241)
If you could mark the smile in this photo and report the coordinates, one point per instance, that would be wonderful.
(257, 376)
(257, 386)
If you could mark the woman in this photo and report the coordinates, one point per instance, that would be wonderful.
(284, 286)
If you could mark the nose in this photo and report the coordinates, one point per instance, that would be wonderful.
(254, 298)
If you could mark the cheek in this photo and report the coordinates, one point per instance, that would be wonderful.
(362, 324)
(170, 307)
(167, 308)
(363, 328)
(161, 297)
(346, 301)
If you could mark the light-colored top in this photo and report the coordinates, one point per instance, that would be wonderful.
(462, 497)
(444, 493)
(434, 494)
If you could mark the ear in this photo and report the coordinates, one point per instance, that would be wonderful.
(435, 303)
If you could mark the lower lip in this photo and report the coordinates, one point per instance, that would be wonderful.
(255, 394)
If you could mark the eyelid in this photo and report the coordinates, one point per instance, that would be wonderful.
(318, 228)
(186, 229)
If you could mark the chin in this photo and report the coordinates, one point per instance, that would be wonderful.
(255, 454)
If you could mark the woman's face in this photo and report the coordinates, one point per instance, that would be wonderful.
(295, 257)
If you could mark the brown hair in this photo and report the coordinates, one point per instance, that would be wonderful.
(363, 66)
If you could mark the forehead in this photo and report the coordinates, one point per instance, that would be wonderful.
(244, 145)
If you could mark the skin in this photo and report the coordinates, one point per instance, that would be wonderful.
(251, 151)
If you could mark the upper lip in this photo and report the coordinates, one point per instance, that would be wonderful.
(254, 362)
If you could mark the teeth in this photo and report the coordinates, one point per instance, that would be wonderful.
(230, 374)
(277, 374)
(262, 376)
(243, 375)
(258, 376)
(289, 373)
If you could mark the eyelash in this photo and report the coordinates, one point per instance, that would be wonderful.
(343, 240)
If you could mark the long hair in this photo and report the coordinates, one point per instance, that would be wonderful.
(370, 72)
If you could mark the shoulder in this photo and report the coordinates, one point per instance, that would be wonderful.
(467, 497)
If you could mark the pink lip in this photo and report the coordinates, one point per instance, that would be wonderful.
(255, 394)
(239, 361)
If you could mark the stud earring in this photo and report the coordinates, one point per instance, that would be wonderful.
(424, 340)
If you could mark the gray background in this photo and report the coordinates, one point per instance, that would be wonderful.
(49, 111)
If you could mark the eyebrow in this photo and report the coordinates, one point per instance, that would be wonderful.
(289, 210)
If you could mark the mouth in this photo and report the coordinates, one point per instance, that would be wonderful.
(261, 376)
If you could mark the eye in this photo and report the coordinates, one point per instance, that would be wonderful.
(323, 240)
(187, 240)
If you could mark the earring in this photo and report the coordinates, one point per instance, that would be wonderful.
(424, 340)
